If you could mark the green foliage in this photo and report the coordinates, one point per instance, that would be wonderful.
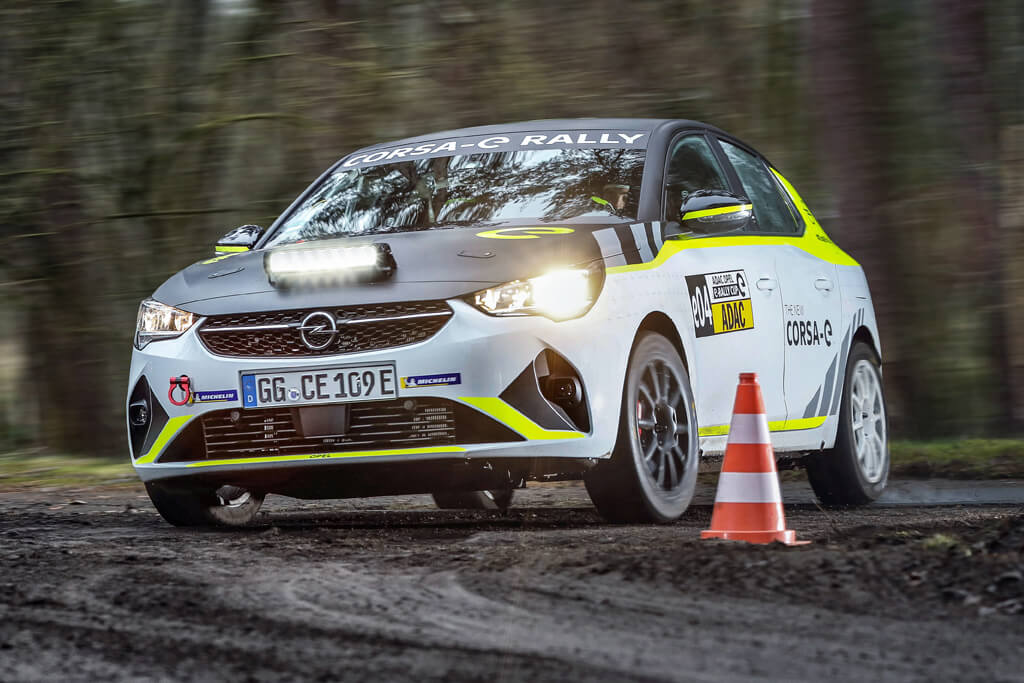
(31, 469)
(959, 458)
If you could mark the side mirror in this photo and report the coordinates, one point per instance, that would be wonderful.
(709, 212)
(242, 238)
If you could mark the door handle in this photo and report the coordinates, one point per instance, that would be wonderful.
(766, 283)
(823, 283)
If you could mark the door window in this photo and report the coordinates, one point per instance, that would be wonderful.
(691, 166)
(772, 212)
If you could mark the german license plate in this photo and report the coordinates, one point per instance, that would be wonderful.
(343, 384)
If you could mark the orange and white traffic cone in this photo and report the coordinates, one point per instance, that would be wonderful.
(748, 505)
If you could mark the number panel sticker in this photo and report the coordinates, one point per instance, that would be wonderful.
(720, 302)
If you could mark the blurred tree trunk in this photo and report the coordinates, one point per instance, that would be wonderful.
(66, 319)
(846, 99)
(963, 42)
(844, 94)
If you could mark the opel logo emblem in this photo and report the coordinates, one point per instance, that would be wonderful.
(318, 330)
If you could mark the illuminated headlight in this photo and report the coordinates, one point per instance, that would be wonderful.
(159, 321)
(321, 266)
(559, 295)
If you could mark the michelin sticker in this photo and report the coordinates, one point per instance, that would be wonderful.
(216, 396)
(419, 381)
(481, 144)
(720, 302)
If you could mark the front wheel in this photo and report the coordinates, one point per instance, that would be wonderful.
(225, 506)
(856, 470)
(652, 473)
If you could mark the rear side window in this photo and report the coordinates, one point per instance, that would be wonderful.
(771, 210)
(691, 166)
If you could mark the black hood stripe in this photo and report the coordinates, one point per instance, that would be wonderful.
(643, 241)
(610, 246)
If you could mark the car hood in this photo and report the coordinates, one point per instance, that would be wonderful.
(431, 264)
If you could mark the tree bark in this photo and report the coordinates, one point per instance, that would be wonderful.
(963, 43)
(845, 99)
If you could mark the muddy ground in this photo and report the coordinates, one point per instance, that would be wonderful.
(94, 585)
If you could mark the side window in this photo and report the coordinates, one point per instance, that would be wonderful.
(772, 211)
(691, 166)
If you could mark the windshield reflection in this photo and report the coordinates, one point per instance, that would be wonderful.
(542, 185)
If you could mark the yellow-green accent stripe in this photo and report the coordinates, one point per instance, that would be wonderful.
(229, 250)
(815, 234)
(827, 252)
(330, 456)
(801, 423)
(814, 241)
(172, 427)
(776, 426)
(509, 416)
(717, 430)
(716, 212)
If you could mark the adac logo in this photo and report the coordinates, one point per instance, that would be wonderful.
(523, 233)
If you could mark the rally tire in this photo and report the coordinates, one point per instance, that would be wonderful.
(499, 499)
(191, 508)
(856, 470)
(652, 473)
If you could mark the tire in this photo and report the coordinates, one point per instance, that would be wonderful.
(226, 506)
(856, 470)
(474, 500)
(652, 473)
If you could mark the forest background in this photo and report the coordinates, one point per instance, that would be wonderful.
(136, 132)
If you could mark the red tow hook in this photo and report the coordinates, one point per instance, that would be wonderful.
(183, 383)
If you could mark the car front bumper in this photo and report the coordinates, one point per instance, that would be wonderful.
(489, 353)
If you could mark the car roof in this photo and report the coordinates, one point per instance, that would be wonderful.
(649, 125)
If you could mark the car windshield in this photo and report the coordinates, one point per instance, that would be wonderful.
(449, 191)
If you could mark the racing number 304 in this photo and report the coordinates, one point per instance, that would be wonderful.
(720, 302)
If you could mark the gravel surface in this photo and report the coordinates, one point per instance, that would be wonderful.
(94, 585)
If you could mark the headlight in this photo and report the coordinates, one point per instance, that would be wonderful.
(559, 295)
(160, 321)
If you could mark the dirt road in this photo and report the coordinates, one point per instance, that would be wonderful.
(93, 585)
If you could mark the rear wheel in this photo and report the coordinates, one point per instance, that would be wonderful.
(653, 469)
(225, 506)
(856, 470)
(474, 500)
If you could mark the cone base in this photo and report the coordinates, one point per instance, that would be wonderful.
(787, 537)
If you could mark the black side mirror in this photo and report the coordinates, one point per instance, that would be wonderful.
(712, 211)
(242, 238)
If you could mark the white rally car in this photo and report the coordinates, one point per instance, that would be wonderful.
(460, 312)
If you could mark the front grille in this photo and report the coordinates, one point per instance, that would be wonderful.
(400, 423)
(360, 328)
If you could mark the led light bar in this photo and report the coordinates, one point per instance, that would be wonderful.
(308, 266)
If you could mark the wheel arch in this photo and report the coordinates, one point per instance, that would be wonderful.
(657, 321)
(864, 334)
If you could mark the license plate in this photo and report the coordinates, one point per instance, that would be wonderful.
(344, 384)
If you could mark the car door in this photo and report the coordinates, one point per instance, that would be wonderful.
(732, 285)
(811, 305)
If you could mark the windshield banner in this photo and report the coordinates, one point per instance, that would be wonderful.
(513, 142)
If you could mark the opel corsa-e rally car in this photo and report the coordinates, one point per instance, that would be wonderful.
(460, 312)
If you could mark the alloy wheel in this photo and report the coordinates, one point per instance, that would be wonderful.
(867, 417)
(662, 424)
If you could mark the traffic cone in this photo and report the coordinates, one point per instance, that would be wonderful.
(748, 505)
